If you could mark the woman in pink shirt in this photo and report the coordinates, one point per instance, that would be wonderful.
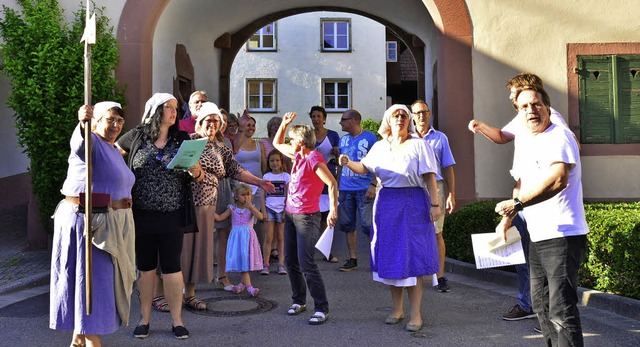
(302, 216)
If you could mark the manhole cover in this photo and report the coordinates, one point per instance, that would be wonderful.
(234, 305)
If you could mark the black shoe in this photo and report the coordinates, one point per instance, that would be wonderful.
(349, 265)
(141, 331)
(180, 332)
(443, 285)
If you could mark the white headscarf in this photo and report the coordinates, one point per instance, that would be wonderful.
(100, 109)
(207, 109)
(158, 99)
(385, 126)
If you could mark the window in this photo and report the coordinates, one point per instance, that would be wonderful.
(609, 99)
(392, 51)
(264, 39)
(261, 95)
(336, 95)
(336, 35)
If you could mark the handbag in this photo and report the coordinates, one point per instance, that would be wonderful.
(190, 223)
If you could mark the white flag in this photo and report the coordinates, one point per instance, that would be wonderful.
(89, 35)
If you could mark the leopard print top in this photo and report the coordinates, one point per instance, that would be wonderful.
(218, 162)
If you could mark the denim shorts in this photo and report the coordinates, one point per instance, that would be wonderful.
(353, 205)
(273, 216)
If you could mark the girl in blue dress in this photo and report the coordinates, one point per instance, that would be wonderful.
(243, 248)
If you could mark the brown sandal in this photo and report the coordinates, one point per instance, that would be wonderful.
(160, 304)
(195, 304)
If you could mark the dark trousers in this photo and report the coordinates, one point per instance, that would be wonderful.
(554, 288)
(301, 232)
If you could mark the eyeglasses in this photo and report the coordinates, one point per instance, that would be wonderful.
(112, 120)
(345, 119)
(536, 106)
(419, 113)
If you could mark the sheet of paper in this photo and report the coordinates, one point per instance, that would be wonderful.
(188, 154)
(498, 241)
(511, 254)
(325, 241)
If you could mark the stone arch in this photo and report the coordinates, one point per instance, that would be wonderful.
(455, 80)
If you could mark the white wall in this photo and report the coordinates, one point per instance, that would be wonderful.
(510, 37)
(299, 67)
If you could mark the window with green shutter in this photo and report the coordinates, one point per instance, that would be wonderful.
(609, 93)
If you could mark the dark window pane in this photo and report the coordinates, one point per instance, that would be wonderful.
(329, 88)
(343, 101)
(343, 88)
(329, 102)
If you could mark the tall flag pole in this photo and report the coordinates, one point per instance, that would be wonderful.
(89, 38)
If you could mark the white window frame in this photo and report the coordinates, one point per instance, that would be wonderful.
(392, 51)
(261, 96)
(335, 35)
(334, 107)
(261, 34)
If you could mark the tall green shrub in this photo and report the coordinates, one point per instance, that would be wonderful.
(43, 57)
(372, 126)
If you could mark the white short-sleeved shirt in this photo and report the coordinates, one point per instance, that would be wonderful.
(517, 129)
(403, 167)
(563, 214)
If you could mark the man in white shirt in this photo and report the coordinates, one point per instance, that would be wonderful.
(549, 194)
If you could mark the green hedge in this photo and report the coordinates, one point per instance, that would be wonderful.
(43, 57)
(613, 255)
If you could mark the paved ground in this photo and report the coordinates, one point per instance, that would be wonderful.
(467, 316)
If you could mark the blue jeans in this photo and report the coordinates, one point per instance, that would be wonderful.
(353, 204)
(524, 288)
(554, 288)
(301, 232)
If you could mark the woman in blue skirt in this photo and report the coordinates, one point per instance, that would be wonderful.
(403, 244)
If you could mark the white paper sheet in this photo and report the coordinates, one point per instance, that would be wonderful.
(511, 254)
(325, 241)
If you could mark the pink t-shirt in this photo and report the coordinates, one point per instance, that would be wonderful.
(305, 186)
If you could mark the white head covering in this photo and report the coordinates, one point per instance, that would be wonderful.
(158, 99)
(385, 126)
(101, 108)
(206, 109)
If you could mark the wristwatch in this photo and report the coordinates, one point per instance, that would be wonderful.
(518, 204)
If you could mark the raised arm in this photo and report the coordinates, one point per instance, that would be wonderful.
(495, 135)
(278, 140)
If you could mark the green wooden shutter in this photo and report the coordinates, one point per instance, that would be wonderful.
(609, 99)
(596, 99)
(628, 122)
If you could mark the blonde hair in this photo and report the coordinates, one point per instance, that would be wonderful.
(240, 189)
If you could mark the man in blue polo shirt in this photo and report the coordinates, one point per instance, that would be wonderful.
(440, 145)
(356, 191)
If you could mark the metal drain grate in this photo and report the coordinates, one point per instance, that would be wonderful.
(234, 306)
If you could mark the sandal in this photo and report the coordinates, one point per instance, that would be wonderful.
(253, 291)
(160, 304)
(221, 284)
(239, 288)
(296, 309)
(318, 318)
(195, 304)
(331, 259)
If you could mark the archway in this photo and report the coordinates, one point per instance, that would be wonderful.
(455, 95)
